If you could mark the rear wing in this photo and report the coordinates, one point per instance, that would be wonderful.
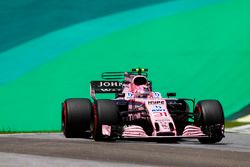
(105, 86)
(111, 83)
(121, 75)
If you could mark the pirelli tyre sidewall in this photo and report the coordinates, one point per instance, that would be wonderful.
(209, 116)
(106, 112)
(76, 115)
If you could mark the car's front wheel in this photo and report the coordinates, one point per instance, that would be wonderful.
(210, 117)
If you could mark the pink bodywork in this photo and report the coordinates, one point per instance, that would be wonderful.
(141, 97)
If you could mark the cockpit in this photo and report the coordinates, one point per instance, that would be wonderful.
(140, 86)
(140, 80)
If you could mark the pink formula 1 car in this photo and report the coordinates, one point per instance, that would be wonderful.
(139, 113)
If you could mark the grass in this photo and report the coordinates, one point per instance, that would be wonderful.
(45, 131)
(231, 124)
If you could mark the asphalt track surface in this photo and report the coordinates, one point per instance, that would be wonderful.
(55, 150)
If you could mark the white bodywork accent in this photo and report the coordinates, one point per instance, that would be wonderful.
(192, 131)
(106, 130)
(133, 131)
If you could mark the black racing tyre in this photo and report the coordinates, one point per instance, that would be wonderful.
(106, 112)
(210, 117)
(76, 115)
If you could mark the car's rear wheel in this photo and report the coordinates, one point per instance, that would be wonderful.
(106, 113)
(76, 115)
(210, 117)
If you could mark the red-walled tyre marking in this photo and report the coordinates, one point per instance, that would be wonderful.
(199, 111)
(65, 115)
(95, 120)
(198, 107)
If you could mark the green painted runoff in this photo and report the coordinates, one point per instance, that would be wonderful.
(202, 54)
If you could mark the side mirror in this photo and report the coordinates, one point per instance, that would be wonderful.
(171, 94)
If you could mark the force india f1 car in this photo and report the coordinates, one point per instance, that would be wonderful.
(137, 112)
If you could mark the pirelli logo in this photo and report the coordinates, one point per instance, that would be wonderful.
(156, 102)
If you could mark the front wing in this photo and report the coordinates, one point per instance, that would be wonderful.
(162, 138)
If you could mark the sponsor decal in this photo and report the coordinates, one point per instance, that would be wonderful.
(109, 84)
(136, 116)
(129, 95)
(106, 86)
(156, 102)
(157, 95)
(158, 109)
(111, 90)
(105, 90)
